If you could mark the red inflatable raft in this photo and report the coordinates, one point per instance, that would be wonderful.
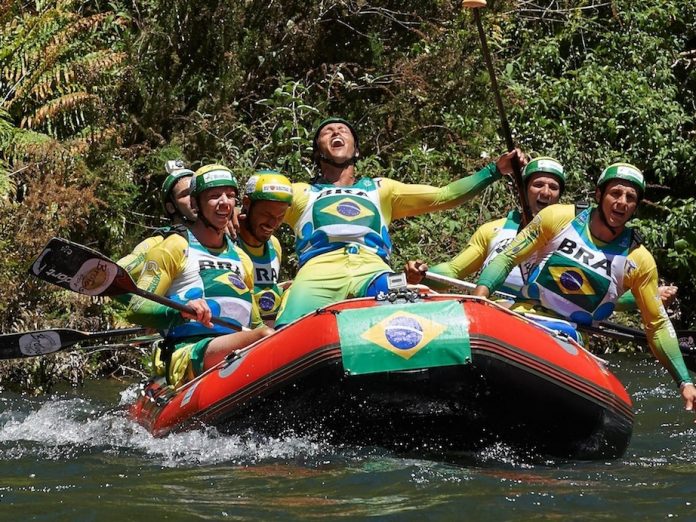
(413, 372)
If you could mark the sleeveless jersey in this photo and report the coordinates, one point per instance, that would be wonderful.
(336, 217)
(219, 279)
(577, 278)
(266, 271)
(515, 281)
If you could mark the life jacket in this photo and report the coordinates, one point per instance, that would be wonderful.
(266, 271)
(577, 278)
(515, 280)
(336, 217)
(219, 279)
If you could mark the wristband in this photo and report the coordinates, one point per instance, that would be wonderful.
(684, 384)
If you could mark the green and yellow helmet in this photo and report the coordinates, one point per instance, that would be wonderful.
(546, 165)
(169, 182)
(269, 185)
(624, 171)
(210, 176)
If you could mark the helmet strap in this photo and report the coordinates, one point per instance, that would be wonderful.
(203, 219)
(319, 177)
(603, 216)
(184, 219)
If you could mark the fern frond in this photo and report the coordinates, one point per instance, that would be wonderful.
(58, 106)
(86, 68)
(91, 136)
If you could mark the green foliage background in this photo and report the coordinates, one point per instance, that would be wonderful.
(95, 96)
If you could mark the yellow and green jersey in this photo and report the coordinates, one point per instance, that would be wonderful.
(133, 263)
(489, 240)
(266, 260)
(580, 277)
(181, 268)
(327, 217)
(342, 238)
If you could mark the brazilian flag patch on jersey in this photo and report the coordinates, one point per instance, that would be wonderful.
(404, 337)
(335, 210)
(574, 281)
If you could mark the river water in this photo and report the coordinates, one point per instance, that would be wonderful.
(75, 456)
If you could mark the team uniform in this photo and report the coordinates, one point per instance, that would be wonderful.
(181, 268)
(489, 240)
(266, 260)
(342, 237)
(134, 262)
(581, 278)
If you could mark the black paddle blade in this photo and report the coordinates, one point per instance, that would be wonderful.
(80, 269)
(42, 342)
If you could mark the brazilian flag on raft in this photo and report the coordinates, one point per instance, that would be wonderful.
(404, 337)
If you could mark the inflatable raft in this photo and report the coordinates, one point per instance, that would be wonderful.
(425, 373)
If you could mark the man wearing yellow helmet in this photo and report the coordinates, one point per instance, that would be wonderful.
(201, 267)
(267, 197)
(582, 263)
(341, 221)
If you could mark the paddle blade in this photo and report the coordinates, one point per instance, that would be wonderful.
(80, 269)
(43, 342)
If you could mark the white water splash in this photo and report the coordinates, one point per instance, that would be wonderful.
(65, 428)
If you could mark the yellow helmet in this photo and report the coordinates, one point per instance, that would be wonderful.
(269, 185)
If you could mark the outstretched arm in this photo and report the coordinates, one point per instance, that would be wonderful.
(403, 200)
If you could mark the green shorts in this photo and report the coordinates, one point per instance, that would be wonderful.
(329, 278)
(185, 363)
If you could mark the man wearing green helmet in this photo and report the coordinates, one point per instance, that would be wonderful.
(341, 221)
(201, 267)
(175, 199)
(267, 197)
(544, 180)
(582, 263)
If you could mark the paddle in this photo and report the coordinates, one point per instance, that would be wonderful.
(42, 342)
(687, 338)
(475, 5)
(75, 267)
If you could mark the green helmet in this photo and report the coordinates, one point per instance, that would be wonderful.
(623, 171)
(269, 185)
(324, 123)
(210, 176)
(546, 165)
(169, 182)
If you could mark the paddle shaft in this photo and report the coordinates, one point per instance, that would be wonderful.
(517, 175)
(184, 308)
(121, 332)
(458, 283)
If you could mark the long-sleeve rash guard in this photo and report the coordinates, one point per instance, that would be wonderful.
(642, 281)
(399, 200)
(163, 263)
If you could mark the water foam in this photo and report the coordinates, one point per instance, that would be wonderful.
(62, 428)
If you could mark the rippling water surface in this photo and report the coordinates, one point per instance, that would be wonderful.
(76, 456)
